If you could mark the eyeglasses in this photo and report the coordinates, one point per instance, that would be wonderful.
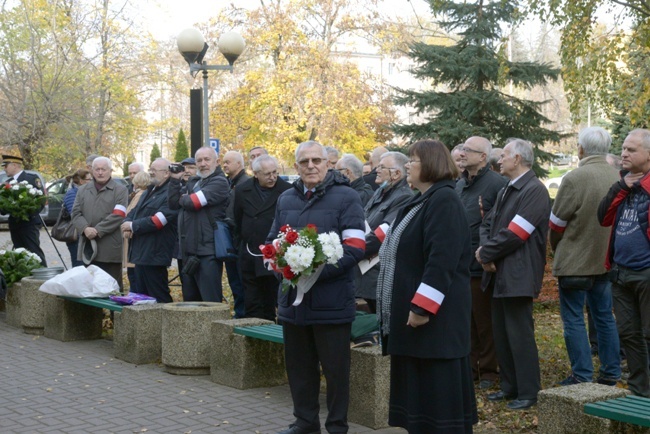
(314, 161)
(414, 161)
(380, 167)
(466, 149)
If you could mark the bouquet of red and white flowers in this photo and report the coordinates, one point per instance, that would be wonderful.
(300, 256)
(20, 199)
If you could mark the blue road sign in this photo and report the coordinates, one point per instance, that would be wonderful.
(215, 144)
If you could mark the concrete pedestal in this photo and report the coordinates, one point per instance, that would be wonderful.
(137, 334)
(369, 387)
(242, 362)
(70, 321)
(561, 409)
(13, 305)
(186, 336)
(33, 306)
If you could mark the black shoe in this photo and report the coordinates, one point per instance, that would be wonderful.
(486, 384)
(499, 396)
(569, 381)
(294, 429)
(607, 381)
(521, 404)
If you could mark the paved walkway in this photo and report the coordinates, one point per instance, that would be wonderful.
(47, 386)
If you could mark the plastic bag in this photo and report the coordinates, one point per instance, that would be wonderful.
(133, 298)
(81, 282)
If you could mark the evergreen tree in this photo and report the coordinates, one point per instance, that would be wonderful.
(155, 153)
(467, 78)
(181, 147)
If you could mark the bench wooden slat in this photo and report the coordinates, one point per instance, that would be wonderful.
(103, 303)
(631, 409)
(268, 332)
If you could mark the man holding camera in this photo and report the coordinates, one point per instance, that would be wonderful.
(200, 205)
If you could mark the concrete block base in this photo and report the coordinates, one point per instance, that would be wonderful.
(561, 409)
(13, 305)
(70, 321)
(33, 306)
(186, 336)
(137, 334)
(369, 387)
(242, 362)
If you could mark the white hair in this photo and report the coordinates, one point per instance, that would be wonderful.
(309, 144)
(103, 160)
(265, 158)
(595, 141)
(524, 149)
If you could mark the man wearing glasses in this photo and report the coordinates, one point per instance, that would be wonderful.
(478, 187)
(380, 211)
(318, 329)
(253, 211)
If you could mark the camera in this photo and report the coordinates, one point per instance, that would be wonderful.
(176, 168)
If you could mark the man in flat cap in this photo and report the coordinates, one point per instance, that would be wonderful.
(24, 234)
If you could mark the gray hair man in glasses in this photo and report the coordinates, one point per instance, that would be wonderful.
(317, 330)
(352, 168)
(380, 212)
(478, 187)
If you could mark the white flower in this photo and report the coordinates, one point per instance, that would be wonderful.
(32, 191)
(24, 182)
(15, 187)
(39, 193)
(299, 258)
(13, 181)
(20, 250)
(34, 256)
(2, 252)
(332, 247)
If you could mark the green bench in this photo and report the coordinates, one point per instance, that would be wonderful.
(267, 332)
(103, 303)
(631, 409)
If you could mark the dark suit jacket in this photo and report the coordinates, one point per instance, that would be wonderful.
(253, 219)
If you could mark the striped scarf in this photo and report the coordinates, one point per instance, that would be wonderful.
(387, 258)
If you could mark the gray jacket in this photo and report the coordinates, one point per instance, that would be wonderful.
(103, 210)
(513, 236)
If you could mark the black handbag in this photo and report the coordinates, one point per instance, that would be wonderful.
(223, 246)
(63, 229)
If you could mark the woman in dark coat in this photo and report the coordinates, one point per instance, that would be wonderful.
(424, 301)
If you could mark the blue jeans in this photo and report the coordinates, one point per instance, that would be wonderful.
(598, 295)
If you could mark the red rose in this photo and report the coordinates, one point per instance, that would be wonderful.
(7, 186)
(287, 273)
(311, 226)
(268, 251)
(285, 228)
(291, 237)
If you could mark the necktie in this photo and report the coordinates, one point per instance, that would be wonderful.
(309, 194)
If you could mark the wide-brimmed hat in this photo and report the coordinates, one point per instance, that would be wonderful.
(88, 250)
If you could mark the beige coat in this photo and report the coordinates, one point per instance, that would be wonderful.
(104, 210)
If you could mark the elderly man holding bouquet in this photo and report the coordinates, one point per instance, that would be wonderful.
(317, 327)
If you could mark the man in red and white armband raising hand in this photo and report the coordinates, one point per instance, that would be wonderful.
(98, 211)
(151, 226)
(513, 255)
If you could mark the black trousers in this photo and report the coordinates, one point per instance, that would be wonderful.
(304, 348)
(151, 280)
(205, 284)
(514, 340)
(260, 295)
(27, 236)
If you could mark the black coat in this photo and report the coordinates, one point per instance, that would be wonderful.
(513, 236)
(334, 207)
(253, 218)
(154, 228)
(434, 251)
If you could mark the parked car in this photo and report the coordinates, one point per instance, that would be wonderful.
(55, 194)
(44, 212)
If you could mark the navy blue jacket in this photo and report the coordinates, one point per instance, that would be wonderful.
(335, 207)
(154, 228)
